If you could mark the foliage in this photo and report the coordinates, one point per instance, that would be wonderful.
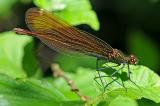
(14, 91)
(13, 56)
(22, 83)
(74, 12)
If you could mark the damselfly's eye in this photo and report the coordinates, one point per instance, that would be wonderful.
(133, 59)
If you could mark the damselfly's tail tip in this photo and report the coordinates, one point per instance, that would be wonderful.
(16, 29)
(19, 31)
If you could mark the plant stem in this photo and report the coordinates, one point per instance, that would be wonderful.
(58, 72)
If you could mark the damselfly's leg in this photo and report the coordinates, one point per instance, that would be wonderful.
(129, 77)
(124, 86)
(98, 71)
(113, 80)
(111, 76)
(117, 82)
(105, 86)
(104, 67)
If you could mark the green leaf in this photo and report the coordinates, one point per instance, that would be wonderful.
(123, 101)
(146, 79)
(144, 48)
(49, 92)
(17, 54)
(30, 63)
(31, 92)
(11, 54)
(74, 12)
(148, 84)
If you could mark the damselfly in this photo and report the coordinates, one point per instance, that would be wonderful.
(62, 37)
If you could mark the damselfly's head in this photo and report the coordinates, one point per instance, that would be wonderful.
(132, 59)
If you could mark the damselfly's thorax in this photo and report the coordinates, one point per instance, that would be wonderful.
(118, 57)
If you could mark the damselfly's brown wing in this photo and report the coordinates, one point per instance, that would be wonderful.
(62, 37)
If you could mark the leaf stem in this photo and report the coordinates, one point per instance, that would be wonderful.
(58, 72)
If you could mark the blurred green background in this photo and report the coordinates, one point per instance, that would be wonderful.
(132, 26)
